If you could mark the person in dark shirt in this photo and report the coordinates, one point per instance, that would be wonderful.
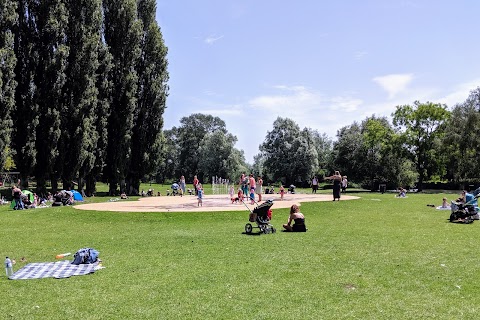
(297, 218)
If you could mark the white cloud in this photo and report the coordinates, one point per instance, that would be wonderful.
(212, 39)
(394, 83)
(304, 101)
(460, 93)
(290, 97)
(224, 111)
(359, 55)
(347, 104)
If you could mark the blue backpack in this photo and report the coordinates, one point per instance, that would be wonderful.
(85, 256)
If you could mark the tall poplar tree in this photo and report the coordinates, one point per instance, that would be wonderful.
(52, 19)
(25, 113)
(152, 90)
(95, 161)
(81, 93)
(122, 35)
(8, 21)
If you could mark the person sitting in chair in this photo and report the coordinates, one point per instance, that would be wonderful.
(297, 217)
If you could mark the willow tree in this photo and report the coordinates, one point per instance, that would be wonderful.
(290, 153)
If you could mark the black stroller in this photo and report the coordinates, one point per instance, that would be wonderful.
(63, 197)
(291, 189)
(262, 216)
(463, 212)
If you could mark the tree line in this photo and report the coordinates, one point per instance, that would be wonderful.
(83, 88)
(421, 142)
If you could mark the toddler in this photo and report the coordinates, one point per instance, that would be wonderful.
(200, 195)
(252, 196)
(231, 192)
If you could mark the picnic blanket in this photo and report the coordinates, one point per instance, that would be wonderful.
(59, 270)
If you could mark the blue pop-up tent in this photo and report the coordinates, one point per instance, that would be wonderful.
(76, 195)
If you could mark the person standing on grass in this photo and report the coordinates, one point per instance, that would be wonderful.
(314, 184)
(182, 184)
(337, 181)
(344, 184)
(195, 184)
(259, 188)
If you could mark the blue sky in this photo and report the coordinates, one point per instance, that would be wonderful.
(323, 64)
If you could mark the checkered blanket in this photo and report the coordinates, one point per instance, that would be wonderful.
(58, 270)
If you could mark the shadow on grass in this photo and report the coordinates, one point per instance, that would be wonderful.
(253, 233)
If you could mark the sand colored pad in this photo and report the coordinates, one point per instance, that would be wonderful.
(210, 203)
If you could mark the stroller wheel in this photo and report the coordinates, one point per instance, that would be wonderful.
(266, 230)
(248, 228)
(274, 230)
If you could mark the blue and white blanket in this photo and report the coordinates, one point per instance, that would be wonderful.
(59, 270)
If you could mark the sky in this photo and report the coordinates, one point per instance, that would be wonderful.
(324, 64)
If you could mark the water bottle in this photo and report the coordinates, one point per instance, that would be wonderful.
(8, 267)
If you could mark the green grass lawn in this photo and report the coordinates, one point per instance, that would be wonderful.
(374, 258)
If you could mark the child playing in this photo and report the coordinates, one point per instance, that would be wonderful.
(282, 192)
(200, 195)
(231, 192)
(239, 197)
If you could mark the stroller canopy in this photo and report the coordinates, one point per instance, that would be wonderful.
(175, 186)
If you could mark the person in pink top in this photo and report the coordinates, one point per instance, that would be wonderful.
(195, 183)
(282, 192)
(251, 182)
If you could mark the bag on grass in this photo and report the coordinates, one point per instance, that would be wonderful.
(85, 256)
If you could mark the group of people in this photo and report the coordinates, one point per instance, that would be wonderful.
(28, 200)
(249, 187)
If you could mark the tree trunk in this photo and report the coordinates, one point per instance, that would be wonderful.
(54, 185)
(90, 185)
(112, 188)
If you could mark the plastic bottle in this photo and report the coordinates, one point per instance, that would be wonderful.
(8, 267)
(63, 255)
